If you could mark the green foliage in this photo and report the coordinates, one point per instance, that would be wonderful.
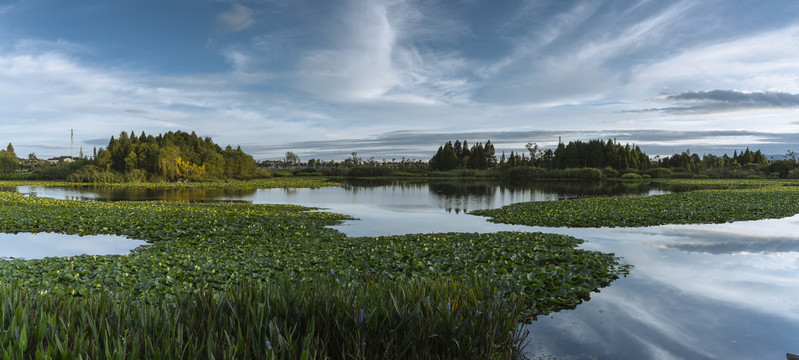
(280, 319)
(782, 168)
(57, 172)
(369, 171)
(209, 246)
(465, 174)
(597, 154)
(281, 173)
(695, 207)
(631, 177)
(445, 159)
(658, 172)
(170, 156)
(688, 162)
(8, 159)
(609, 173)
(587, 174)
(449, 156)
(93, 174)
(17, 176)
(523, 174)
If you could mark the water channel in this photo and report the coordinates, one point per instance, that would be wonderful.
(721, 291)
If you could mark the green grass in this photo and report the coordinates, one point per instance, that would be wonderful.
(324, 319)
(694, 207)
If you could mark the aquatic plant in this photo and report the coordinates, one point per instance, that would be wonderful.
(278, 319)
(208, 246)
(694, 207)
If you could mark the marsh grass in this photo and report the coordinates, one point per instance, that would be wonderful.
(281, 319)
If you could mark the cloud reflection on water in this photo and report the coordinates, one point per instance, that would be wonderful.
(40, 245)
(738, 302)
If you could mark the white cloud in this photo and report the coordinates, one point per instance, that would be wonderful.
(237, 59)
(644, 33)
(563, 63)
(44, 94)
(762, 62)
(374, 59)
(238, 18)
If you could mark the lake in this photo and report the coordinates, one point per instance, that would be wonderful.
(697, 291)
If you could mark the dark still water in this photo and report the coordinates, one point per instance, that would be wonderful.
(722, 291)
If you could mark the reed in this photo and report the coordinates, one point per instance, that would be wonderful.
(410, 318)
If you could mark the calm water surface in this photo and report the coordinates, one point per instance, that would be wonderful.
(40, 245)
(723, 291)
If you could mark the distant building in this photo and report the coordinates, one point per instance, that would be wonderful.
(58, 159)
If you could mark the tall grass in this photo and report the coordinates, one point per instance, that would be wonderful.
(325, 319)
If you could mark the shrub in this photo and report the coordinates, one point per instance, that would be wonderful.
(610, 173)
(281, 173)
(53, 173)
(658, 172)
(631, 177)
(17, 176)
(588, 174)
(93, 174)
(408, 174)
(138, 176)
(701, 176)
(369, 171)
(264, 173)
(522, 174)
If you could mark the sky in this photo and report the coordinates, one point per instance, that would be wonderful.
(398, 78)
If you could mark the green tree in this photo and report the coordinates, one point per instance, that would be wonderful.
(445, 159)
(292, 159)
(10, 150)
(8, 161)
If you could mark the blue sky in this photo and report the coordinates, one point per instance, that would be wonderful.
(397, 78)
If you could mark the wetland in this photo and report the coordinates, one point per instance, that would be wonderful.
(696, 290)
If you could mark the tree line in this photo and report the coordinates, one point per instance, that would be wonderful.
(609, 156)
(692, 162)
(181, 155)
(575, 154)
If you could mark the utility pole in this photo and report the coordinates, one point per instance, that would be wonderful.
(71, 144)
